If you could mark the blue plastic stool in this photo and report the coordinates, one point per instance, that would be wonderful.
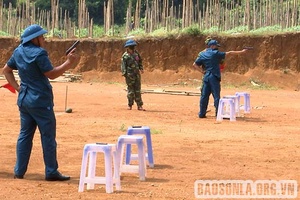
(226, 109)
(144, 130)
(246, 107)
(112, 173)
(236, 103)
(141, 167)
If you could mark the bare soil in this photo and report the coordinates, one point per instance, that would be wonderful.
(264, 144)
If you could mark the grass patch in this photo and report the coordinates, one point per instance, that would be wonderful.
(264, 86)
(123, 128)
(258, 86)
(154, 131)
(192, 30)
(114, 83)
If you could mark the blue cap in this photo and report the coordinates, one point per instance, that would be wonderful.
(213, 42)
(32, 32)
(130, 43)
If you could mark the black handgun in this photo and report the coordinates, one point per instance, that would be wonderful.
(248, 48)
(72, 47)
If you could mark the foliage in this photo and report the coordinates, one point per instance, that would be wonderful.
(192, 30)
(292, 29)
(239, 29)
(116, 31)
(138, 31)
(96, 10)
(160, 32)
(56, 33)
(4, 33)
(13, 2)
(98, 31)
(267, 29)
(42, 5)
(212, 30)
(82, 33)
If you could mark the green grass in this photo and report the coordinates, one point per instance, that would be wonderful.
(247, 85)
(192, 30)
(4, 34)
(154, 131)
(123, 128)
(119, 31)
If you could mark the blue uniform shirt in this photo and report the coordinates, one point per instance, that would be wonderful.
(211, 59)
(32, 62)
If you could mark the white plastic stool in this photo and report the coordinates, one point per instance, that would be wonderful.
(224, 105)
(246, 96)
(140, 130)
(89, 161)
(141, 167)
(236, 103)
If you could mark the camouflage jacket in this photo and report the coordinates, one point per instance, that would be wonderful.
(131, 64)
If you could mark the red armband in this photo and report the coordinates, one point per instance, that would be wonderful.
(222, 66)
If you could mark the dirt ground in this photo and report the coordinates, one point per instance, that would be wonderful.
(263, 144)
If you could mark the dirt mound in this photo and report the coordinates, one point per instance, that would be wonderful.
(169, 60)
(261, 145)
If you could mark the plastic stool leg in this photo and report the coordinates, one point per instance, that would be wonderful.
(116, 170)
(220, 110)
(247, 103)
(142, 159)
(149, 149)
(121, 148)
(128, 154)
(92, 169)
(232, 111)
(83, 170)
(108, 172)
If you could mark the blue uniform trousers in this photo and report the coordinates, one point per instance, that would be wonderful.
(44, 119)
(211, 85)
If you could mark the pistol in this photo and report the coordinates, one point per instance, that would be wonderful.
(72, 47)
(248, 48)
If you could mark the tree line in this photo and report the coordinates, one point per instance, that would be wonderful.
(69, 17)
(95, 8)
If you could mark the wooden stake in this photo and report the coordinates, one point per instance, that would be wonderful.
(66, 98)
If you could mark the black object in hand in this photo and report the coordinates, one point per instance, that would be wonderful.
(72, 47)
(248, 48)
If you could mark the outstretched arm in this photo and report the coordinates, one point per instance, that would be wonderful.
(236, 52)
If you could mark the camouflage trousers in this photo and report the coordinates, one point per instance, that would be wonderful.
(134, 91)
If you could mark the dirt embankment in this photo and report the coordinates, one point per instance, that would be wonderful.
(273, 61)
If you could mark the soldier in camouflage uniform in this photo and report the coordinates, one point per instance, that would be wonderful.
(132, 68)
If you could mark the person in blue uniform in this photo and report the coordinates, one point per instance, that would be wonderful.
(35, 99)
(209, 62)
